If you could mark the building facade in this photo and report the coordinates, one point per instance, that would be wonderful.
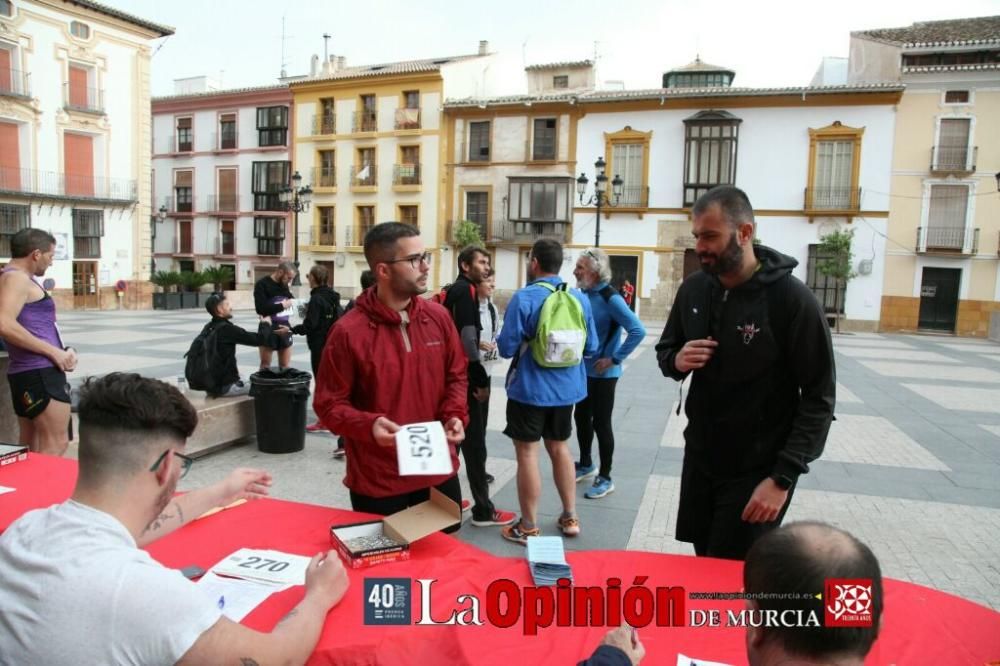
(220, 160)
(74, 144)
(812, 160)
(368, 141)
(943, 255)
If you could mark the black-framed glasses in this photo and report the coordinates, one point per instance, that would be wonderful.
(186, 462)
(414, 259)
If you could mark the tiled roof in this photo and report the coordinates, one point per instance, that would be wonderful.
(401, 67)
(164, 30)
(953, 32)
(698, 66)
(561, 65)
(220, 93)
(671, 93)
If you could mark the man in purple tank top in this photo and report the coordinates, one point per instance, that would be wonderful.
(38, 359)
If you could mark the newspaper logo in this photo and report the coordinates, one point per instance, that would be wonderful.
(387, 601)
(848, 602)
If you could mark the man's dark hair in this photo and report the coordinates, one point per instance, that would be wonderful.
(732, 201)
(213, 302)
(796, 560)
(320, 274)
(26, 241)
(549, 254)
(468, 255)
(367, 278)
(380, 241)
(121, 416)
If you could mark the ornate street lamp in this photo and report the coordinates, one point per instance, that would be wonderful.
(600, 197)
(296, 199)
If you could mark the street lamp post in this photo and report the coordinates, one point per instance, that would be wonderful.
(296, 199)
(160, 216)
(600, 197)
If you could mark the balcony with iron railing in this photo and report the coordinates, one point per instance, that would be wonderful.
(223, 246)
(947, 240)
(513, 231)
(184, 243)
(635, 196)
(364, 121)
(14, 83)
(364, 176)
(175, 146)
(324, 124)
(355, 234)
(222, 204)
(183, 206)
(406, 174)
(954, 159)
(325, 236)
(224, 141)
(832, 199)
(30, 182)
(324, 177)
(85, 99)
(407, 119)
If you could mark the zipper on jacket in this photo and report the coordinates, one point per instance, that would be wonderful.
(404, 321)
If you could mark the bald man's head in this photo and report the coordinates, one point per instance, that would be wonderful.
(792, 563)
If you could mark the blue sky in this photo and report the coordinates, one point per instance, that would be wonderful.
(767, 42)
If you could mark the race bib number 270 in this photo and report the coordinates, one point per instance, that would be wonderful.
(421, 449)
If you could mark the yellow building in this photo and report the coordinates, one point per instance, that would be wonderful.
(943, 255)
(368, 142)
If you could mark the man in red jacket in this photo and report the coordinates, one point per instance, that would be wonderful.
(394, 359)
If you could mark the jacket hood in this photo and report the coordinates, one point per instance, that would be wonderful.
(379, 313)
(773, 264)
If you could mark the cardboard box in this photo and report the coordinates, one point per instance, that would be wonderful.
(405, 528)
(12, 453)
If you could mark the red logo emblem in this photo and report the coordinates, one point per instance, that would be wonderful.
(848, 602)
(748, 331)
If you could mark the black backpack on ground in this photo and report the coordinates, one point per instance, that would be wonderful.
(199, 360)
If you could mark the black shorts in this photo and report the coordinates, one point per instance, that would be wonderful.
(279, 341)
(528, 423)
(32, 390)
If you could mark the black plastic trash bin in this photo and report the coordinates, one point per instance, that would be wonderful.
(279, 406)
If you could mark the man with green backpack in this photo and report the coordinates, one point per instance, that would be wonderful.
(548, 330)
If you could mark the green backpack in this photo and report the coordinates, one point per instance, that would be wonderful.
(562, 330)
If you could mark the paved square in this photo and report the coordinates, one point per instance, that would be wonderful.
(959, 397)
(955, 373)
(874, 440)
(894, 354)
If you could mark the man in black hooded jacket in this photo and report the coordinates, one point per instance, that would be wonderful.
(757, 345)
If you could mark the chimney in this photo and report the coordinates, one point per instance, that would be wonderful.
(314, 65)
(341, 62)
(484, 47)
(327, 66)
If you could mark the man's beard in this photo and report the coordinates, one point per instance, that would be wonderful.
(730, 260)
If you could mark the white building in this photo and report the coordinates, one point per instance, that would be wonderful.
(220, 157)
(74, 143)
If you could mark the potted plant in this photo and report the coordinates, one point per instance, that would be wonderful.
(192, 282)
(168, 299)
(467, 233)
(218, 276)
(836, 262)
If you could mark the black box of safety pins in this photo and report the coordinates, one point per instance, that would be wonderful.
(12, 453)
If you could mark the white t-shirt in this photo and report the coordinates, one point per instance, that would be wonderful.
(488, 358)
(77, 590)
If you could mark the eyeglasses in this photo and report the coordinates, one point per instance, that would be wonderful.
(186, 462)
(414, 259)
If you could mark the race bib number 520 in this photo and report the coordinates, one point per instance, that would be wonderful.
(421, 449)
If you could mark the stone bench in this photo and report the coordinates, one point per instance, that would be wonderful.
(221, 422)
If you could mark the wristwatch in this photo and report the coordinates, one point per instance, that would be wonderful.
(782, 481)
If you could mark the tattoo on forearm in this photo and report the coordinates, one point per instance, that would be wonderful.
(158, 522)
(292, 613)
(247, 661)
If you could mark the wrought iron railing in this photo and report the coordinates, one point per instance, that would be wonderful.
(959, 159)
(406, 174)
(81, 98)
(32, 181)
(964, 240)
(832, 198)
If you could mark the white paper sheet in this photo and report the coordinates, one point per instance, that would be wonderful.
(236, 597)
(421, 449)
(270, 566)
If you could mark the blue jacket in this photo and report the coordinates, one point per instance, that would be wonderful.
(613, 312)
(526, 381)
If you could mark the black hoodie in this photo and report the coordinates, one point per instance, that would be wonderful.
(764, 402)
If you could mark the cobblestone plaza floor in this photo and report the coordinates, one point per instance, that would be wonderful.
(912, 465)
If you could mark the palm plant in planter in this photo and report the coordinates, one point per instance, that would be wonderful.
(218, 276)
(192, 282)
(168, 299)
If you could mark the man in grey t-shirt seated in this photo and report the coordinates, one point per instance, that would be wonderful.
(79, 590)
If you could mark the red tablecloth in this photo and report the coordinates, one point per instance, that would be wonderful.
(920, 625)
(40, 481)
